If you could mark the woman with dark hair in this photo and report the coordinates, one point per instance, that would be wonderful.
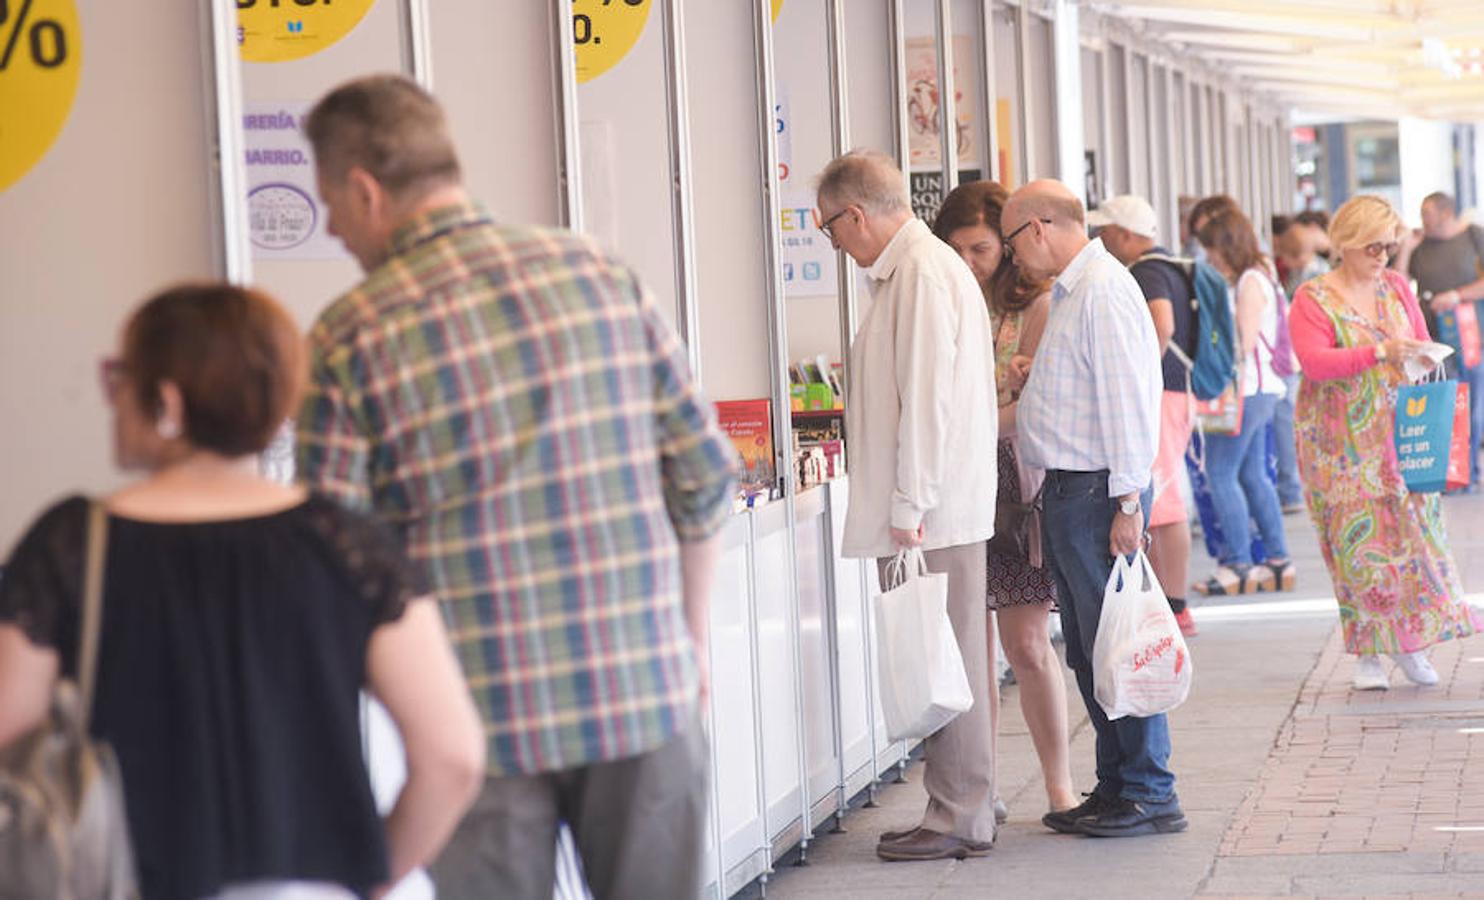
(240, 621)
(1236, 464)
(1021, 590)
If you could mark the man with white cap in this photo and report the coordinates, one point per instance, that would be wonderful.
(1129, 228)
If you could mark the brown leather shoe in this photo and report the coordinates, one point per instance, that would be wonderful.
(926, 844)
(891, 837)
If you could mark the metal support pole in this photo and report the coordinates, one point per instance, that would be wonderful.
(1023, 78)
(947, 95)
(990, 108)
(778, 327)
(234, 248)
(899, 85)
(569, 154)
(840, 142)
(417, 51)
(681, 191)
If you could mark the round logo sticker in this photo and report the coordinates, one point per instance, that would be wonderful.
(281, 30)
(280, 215)
(604, 32)
(40, 61)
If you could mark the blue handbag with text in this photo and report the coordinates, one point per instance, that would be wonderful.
(1425, 420)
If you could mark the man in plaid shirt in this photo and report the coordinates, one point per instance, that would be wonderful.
(511, 401)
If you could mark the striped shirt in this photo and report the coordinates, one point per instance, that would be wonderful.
(1092, 399)
(511, 401)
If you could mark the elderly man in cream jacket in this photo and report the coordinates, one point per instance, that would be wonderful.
(921, 420)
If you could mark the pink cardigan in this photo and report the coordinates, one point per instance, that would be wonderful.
(1314, 335)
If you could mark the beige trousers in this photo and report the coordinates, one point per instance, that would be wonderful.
(959, 757)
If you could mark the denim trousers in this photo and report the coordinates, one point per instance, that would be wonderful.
(1474, 378)
(1241, 490)
(1290, 491)
(1133, 753)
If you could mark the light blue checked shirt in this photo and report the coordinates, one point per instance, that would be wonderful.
(1092, 400)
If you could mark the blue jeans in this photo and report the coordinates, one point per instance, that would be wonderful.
(1241, 491)
(1474, 378)
(1133, 754)
(1289, 489)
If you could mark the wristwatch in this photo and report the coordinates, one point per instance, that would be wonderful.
(1129, 507)
(1380, 353)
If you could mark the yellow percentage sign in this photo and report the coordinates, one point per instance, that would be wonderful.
(40, 61)
(604, 31)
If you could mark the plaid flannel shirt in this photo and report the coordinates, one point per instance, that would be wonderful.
(511, 401)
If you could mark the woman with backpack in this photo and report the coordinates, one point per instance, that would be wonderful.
(1241, 489)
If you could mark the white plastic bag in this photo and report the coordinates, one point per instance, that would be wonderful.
(923, 683)
(1140, 664)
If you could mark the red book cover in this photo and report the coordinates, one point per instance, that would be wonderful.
(749, 423)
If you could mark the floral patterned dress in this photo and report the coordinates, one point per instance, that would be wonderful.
(1013, 581)
(1386, 548)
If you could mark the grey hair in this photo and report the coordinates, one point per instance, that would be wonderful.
(868, 179)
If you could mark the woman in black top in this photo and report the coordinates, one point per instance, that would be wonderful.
(241, 619)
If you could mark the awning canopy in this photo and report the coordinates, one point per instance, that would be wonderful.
(1371, 58)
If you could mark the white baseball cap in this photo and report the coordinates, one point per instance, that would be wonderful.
(1126, 211)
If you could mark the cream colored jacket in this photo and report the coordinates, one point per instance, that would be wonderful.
(921, 417)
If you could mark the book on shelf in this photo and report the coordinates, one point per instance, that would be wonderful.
(749, 423)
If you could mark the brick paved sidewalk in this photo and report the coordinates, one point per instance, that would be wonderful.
(1390, 781)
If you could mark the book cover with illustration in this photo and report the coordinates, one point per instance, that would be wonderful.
(749, 423)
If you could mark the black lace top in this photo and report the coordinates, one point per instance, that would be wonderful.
(231, 658)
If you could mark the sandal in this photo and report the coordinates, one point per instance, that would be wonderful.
(1281, 576)
(1228, 581)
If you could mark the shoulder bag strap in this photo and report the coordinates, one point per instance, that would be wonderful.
(92, 606)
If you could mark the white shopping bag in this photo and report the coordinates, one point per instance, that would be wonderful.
(923, 684)
(1140, 664)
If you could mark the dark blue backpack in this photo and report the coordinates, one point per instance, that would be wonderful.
(1214, 365)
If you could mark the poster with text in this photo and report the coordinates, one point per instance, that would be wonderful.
(923, 143)
(285, 217)
(810, 263)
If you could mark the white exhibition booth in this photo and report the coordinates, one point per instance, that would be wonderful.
(682, 135)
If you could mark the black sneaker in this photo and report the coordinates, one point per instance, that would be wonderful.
(1065, 821)
(1127, 818)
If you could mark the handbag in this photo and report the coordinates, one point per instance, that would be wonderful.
(1012, 526)
(923, 682)
(1432, 435)
(63, 832)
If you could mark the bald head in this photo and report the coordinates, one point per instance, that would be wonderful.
(1054, 223)
(1047, 199)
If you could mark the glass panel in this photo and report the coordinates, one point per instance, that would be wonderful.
(1009, 123)
(1094, 157)
(625, 140)
(1040, 91)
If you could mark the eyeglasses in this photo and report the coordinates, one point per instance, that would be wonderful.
(111, 373)
(1010, 238)
(1382, 249)
(825, 226)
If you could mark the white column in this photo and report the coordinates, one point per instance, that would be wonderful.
(1071, 143)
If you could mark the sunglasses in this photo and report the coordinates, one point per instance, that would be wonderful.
(1382, 249)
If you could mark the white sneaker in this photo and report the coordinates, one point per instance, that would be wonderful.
(1416, 667)
(1369, 675)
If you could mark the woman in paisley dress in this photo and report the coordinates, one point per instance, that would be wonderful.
(1397, 585)
(1021, 591)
